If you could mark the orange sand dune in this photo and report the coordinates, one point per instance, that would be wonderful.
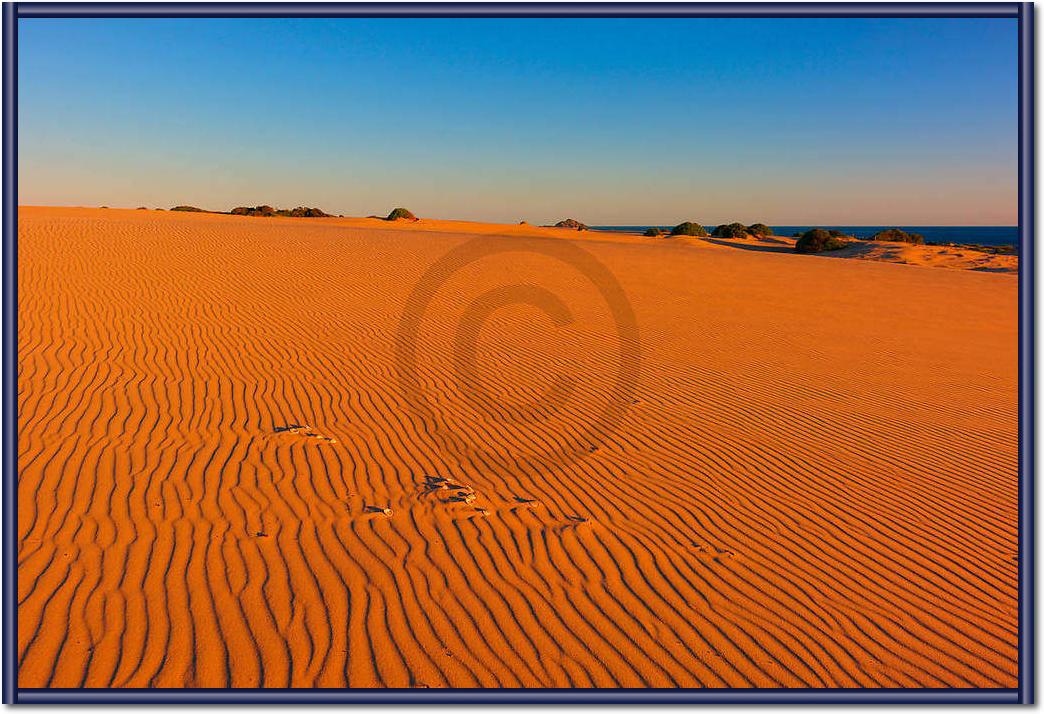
(954, 257)
(810, 482)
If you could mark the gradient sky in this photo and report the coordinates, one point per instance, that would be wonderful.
(612, 121)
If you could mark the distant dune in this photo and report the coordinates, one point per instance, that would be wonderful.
(224, 482)
(954, 257)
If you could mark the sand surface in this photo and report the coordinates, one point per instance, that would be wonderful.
(954, 257)
(812, 481)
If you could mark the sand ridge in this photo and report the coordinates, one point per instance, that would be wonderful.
(222, 484)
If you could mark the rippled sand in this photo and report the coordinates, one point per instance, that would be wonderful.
(232, 448)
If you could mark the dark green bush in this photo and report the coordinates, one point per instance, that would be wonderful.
(188, 208)
(689, 228)
(267, 211)
(897, 235)
(730, 230)
(653, 232)
(400, 213)
(305, 212)
(818, 240)
(759, 229)
(571, 223)
(253, 211)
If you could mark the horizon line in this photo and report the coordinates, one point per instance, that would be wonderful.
(592, 225)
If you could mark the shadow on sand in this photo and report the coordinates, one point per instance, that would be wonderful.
(759, 247)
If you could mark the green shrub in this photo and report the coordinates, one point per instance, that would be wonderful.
(253, 211)
(267, 211)
(306, 212)
(759, 229)
(193, 209)
(653, 232)
(818, 240)
(572, 223)
(689, 228)
(897, 235)
(400, 213)
(730, 230)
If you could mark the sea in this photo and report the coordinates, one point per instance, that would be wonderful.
(981, 235)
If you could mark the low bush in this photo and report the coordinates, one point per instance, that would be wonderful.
(253, 211)
(818, 240)
(571, 223)
(400, 214)
(730, 230)
(897, 235)
(305, 212)
(653, 232)
(192, 209)
(759, 229)
(689, 228)
(268, 211)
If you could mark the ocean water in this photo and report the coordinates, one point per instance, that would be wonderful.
(983, 235)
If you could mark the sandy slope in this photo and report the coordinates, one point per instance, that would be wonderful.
(814, 486)
(954, 257)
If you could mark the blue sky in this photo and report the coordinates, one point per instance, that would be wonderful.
(612, 121)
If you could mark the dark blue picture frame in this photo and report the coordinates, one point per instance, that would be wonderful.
(1024, 694)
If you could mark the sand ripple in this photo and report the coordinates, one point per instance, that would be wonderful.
(222, 484)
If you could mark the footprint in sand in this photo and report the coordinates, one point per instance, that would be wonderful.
(432, 484)
(306, 431)
(569, 523)
(711, 553)
(461, 497)
(458, 493)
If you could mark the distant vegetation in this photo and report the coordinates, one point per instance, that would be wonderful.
(299, 212)
(400, 214)
(818, 240)
(192, 209)
(1006, 249)
(689, 228)
(897, 235)
(571, 223)
(730, 230)
(759, 229)
(653, 232)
